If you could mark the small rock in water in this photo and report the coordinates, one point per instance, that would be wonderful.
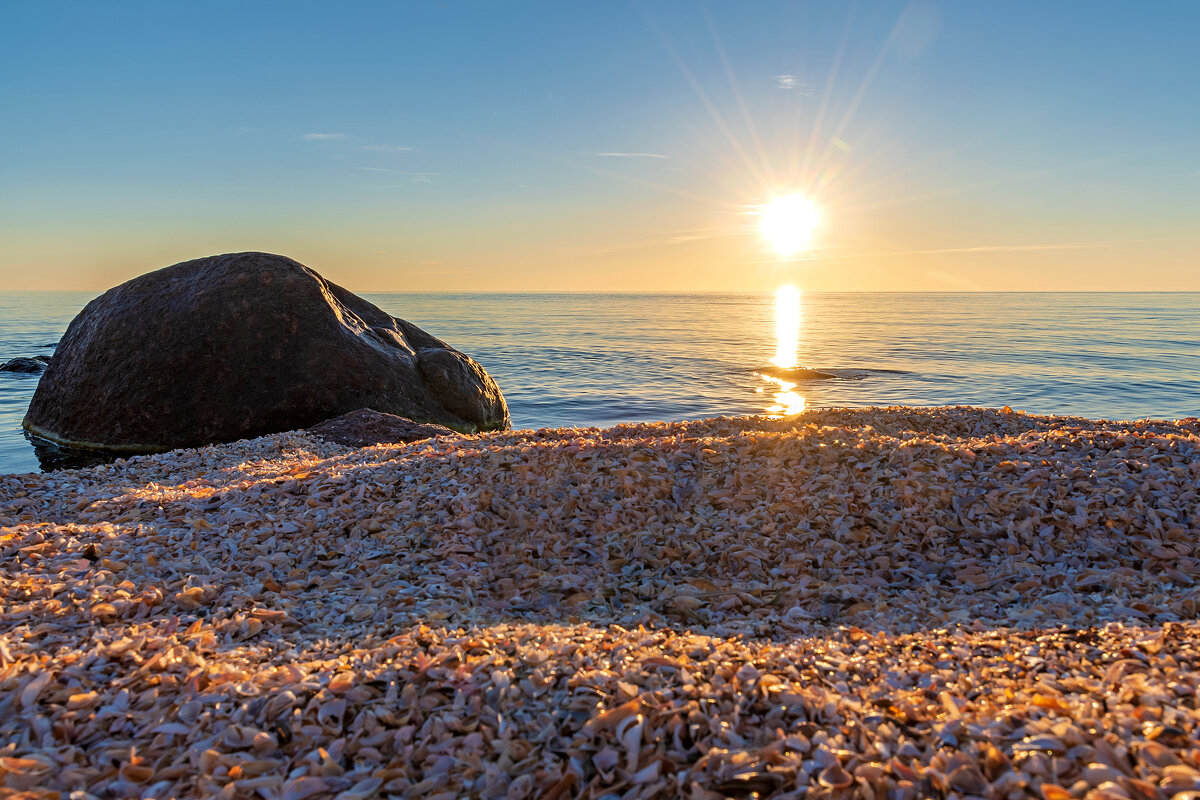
(797, 373)
(27, 366)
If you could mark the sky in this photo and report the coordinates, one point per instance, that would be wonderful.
(605, 146)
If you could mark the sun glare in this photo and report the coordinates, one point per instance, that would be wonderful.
(788, 222)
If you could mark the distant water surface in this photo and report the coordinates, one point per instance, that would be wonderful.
(591, 359)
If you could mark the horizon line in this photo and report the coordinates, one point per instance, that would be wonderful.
(628, 292)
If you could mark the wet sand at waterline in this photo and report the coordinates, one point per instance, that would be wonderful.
(946, 601)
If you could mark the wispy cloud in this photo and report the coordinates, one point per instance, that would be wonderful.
(671, 239)
(684, 238)
(417, 177)
(1004, 248)
(831, 254)
(386, 148)
(793, 84)
(322, 137)
(631, 155)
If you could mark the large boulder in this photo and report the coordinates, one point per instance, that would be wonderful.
(241, 345)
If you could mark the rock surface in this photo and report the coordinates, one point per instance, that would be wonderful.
(366, 427)
(241, 345)
(28, 366)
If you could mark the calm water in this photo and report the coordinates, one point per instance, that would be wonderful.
(602, 359)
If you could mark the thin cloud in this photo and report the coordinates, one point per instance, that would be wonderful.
(386, 148)
(631, 155)
(374, 169)
(1005, 248)
(830, 255)
(690, 237)
(793, 84)
(322, 137)
(669, 240)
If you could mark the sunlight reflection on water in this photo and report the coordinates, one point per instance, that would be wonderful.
(787, 326)
(787, 402)
(787, 345)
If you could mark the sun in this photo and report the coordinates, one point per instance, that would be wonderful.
(788, 222)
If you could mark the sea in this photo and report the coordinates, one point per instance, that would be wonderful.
(601, 359)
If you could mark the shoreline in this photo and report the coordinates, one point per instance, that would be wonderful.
(917, 598)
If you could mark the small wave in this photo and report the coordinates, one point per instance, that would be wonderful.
(824, 373)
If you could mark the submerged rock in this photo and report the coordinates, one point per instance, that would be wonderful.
(797, 373)
(366, 427)
(27, 366)
(241, 345)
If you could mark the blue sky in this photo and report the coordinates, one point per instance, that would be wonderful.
(607, 146)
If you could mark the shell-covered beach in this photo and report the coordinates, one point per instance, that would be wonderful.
(888, 602)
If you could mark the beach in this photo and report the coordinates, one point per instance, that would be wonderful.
(881, 602)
